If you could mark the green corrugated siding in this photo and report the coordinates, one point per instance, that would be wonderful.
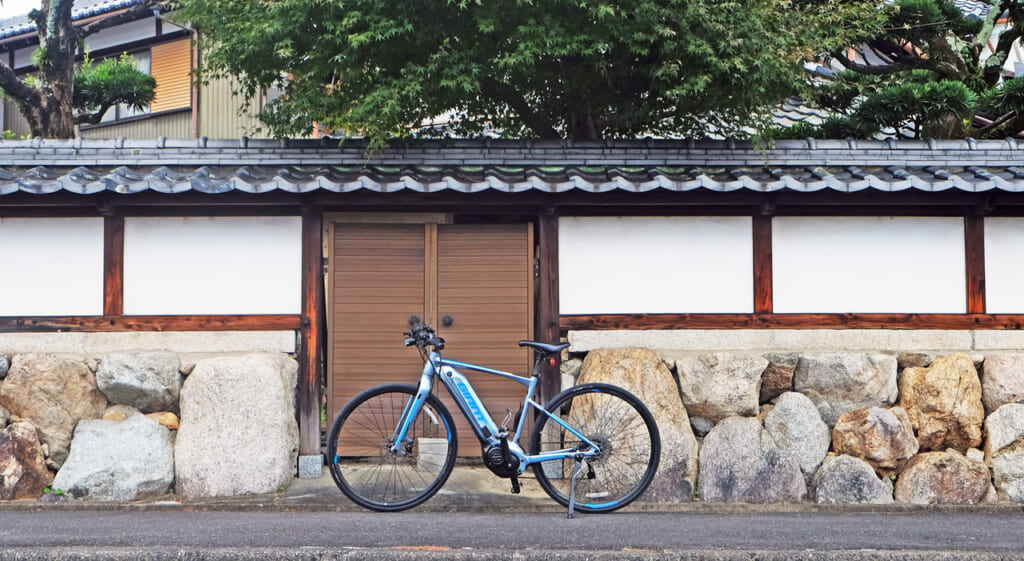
(218, 113)
(175, 125)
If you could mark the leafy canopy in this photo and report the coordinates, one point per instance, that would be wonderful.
(582, 69)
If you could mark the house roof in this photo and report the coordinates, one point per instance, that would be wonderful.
(82, 9)
(172, 167)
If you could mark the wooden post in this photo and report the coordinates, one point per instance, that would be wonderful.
(547, 308)
(974, 249)
(762, 227)
(113, 265)
(312, 337)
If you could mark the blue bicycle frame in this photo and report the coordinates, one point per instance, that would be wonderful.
(480, 420)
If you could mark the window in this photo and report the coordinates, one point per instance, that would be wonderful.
(122, 111)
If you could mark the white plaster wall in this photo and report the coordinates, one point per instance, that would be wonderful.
(868, 265)
(51, 266)
(121, 34)
(202, 265)
(655, 265)
(1004, 265)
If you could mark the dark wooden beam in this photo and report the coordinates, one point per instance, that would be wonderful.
(974, 248)
(762, 226)
(113, 265)
(150, 323)
(792, 321)
(547, 318)
(310, 355)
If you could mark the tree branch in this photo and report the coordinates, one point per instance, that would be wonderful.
(16, 88)
(130, 14)
(504, 93)
(92, 118)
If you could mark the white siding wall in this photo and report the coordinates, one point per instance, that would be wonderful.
(51, 266)
(1004, 265)
(655, 265)
(122, 34)
(868, 264)
(213, 265)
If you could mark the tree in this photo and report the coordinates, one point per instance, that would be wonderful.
(583, 69)
(923, 73)
(56, 97)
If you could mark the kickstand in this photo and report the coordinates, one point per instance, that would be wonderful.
(572, 485)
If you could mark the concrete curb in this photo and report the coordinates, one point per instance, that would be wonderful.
(431, 554)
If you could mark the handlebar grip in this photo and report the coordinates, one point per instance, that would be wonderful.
(410, 341)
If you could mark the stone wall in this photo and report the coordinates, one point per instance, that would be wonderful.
(123, 426)
(829, 427)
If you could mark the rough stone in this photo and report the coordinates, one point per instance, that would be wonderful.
(1004, 450)
(849, 480)
(571, 367)
(119, 413)
(975, 454)
(5, 417)
(739, 462)
(700, 426)
(23, 472)
(841, 382)
(53, 394)
(118, 461)
(797, 429)
(642, 372)
(913, 360)
(5, 365)
(720, 385)
(1002, 380)
(165, 418)
(147, 381)
(778, 376)
(187, 368)
(238, 431)
(943, 402)
(882, 437)
(946, 477)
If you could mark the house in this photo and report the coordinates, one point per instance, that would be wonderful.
(167, 51)
(220, 245)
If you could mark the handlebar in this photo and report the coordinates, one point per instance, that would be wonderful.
(423, 336)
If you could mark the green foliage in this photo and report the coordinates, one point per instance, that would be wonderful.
(110, 82)
(560, 68)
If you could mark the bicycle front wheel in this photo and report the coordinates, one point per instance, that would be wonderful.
(359, 449)
(619, 423)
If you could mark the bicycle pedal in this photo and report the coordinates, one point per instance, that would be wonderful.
(590, 472)
(515, 486)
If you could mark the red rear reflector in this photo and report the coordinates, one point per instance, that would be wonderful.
(552, 361)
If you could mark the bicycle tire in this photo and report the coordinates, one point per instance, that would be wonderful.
(359, 457)
(624, 428)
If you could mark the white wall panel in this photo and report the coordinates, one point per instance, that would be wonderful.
(1004, 265)
(868, 265)
(237, 265)
(121, 34)
(655, 265)
(51, 266)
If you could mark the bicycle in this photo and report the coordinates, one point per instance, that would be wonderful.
(393, 446)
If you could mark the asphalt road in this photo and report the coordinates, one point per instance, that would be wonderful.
(662, 532)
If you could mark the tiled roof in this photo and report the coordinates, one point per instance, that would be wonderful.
(222, 166)
(82, 9)
(973, 8)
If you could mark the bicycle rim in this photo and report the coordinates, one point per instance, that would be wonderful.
(624, 429)
(360, 459)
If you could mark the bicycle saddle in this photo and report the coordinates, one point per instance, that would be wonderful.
(546, 347)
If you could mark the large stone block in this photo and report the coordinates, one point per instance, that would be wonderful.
(946, 477)
(23, 473)
(118, 461)
(1002, 380)
(642, 373)
(778, 377)
(53, 394)
(1004, 450)
(238, 432)
(149, 382)
(796, 427)
(841, 382)
(720, 385)
(739, 462)
(882, 437)
(943, 402)
(849, 480)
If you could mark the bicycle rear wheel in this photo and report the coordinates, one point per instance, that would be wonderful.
(620, 424)
(359, 449)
